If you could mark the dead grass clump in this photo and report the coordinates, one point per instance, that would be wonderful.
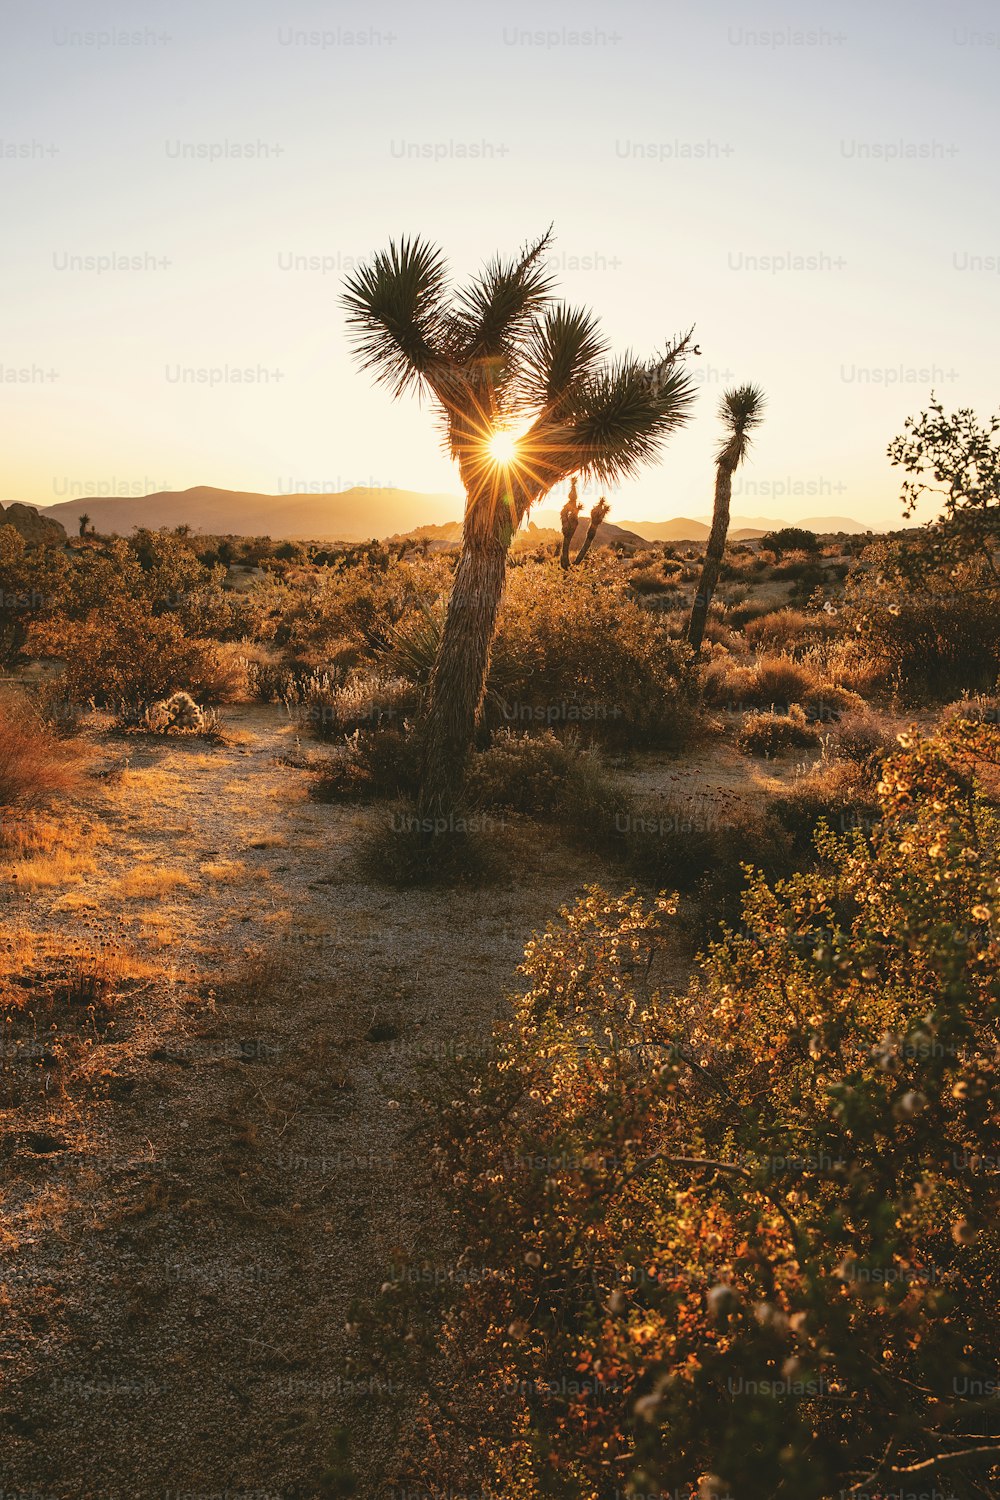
(861, 736)
(983, 708)
(770, 733)
(227, 872)
(36, 766)
(50, 870)
(332, 709)
(256, 976)
(774, 682)
(788, 630)
(148, 882)
(58, 1001)
(225, 675)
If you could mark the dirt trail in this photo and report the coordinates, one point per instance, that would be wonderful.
(184, 1229)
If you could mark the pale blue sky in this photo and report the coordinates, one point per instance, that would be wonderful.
(758, 150)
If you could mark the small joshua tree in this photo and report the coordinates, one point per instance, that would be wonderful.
(741, 410)
(569, 516)
(597, 516)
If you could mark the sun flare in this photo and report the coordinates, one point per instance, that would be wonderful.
(503, 447)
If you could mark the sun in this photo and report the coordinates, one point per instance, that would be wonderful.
(502, 448)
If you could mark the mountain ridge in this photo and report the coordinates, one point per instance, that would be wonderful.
(355, 515)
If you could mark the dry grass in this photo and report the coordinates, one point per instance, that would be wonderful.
(227, 872)
(267, 840)
(774, 682)
(788, 630)
(770, 734)
(258, 975)
(44, 852)
(59, 1000)
(156, 930)
(50, 871)
(147, 882)
(36, 767)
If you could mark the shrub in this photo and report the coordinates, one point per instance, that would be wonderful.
(984, 708)
(929, 637)
(521, 773)
(838, 793)
(572, 651)
(126, 656)
(396, 848)
(576, 652)
(371, 765)
(32, 580)
(702, 849)
(861, 736)
(774, 682)
(770, 733)
(789, 539)
(648, 581)
(788, 630)
(748, 1231)
(356, 604)
(332, 708)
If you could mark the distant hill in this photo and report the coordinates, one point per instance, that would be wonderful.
(740, 527)
(353, 515)
(447, 535)
(820, 524)
(450, 535)
(680, 529)
(358, 514)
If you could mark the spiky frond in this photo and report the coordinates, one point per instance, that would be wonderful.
(620, 417)
(396, 311)
(499, 354)
(741, 411)
(564, 349)
(497, 309)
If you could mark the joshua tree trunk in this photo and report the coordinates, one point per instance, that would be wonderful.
(458, 683)
(713, 553)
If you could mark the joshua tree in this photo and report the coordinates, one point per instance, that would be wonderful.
(84, 521)
(526, 398)
(597, 515)
(741, 410)
(569, 518)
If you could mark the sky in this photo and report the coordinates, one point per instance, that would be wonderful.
(185, 184)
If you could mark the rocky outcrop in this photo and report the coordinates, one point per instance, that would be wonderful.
(33, 527)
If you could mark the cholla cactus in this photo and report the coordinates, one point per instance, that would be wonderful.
(179, 711)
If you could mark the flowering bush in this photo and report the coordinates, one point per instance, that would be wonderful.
(937, 634)
(741, 1239)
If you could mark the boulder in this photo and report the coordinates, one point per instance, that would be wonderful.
(26, 520)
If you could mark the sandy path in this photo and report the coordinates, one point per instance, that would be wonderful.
(228, 1167)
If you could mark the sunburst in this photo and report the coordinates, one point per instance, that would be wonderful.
(502, 448)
